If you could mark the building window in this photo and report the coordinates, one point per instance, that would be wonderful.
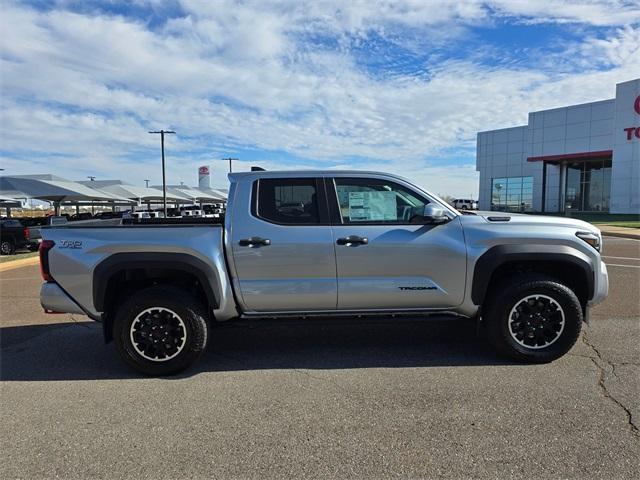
(513, 194)
(588, 186)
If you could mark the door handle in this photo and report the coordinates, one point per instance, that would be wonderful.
(254, 242)
(352, 241)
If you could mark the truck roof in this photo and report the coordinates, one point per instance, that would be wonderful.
(307, 173)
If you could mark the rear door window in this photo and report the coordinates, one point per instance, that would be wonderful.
(289, 201)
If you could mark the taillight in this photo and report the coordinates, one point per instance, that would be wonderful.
(26, 234)
(43, 251)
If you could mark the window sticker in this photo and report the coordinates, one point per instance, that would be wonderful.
(372, 206)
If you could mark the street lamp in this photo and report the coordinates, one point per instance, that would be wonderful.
(164, 179)
(146, 182)
(230, 160)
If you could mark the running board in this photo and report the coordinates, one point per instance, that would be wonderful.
(352, 314)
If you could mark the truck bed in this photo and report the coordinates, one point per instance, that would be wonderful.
(80, 249)
(131, 222)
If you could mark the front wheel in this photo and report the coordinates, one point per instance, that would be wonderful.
(160, 330)
(534, 319)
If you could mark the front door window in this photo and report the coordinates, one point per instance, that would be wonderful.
(377, 202)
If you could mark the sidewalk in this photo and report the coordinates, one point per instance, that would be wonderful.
(623, 232)
(22, 262)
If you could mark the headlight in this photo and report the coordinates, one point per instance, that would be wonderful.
(591, 238)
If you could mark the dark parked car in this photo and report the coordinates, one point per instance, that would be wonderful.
(13, 236)
(104, 215)
(36, 237)
(81, 216)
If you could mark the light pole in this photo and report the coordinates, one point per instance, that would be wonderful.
(164, 179)
(146, 182)
(92, 178)
(230, 160)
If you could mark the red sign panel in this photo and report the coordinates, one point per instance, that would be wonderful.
(636, 105)
(203, 170)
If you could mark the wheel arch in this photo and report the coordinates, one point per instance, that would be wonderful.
(567, 264)
(121, 274)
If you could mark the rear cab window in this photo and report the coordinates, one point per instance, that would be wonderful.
(290, 201)
(58, 220)
(11, 223)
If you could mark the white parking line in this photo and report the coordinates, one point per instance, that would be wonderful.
(618, 265)
(621, 258)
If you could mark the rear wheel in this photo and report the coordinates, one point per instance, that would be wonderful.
(533, 318)
(7, 247)
(160, 330)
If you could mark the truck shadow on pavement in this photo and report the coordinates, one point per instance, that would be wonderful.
(76, 351)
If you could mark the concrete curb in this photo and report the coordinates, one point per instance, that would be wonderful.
(621, 232)
(633, 236)
(23, 262)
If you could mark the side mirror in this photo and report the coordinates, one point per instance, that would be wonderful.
(434, 214)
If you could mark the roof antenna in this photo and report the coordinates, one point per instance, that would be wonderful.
(257, 169)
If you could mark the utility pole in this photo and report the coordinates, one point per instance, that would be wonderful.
(146, 182)
(91, 177)
(164, 179)
(230, 160)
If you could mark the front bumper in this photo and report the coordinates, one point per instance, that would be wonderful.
(601, 287)
(54, 300)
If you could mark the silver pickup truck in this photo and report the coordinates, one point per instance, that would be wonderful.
(325, 243)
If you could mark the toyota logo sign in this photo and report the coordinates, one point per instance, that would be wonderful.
(203, 170)
(632, 132)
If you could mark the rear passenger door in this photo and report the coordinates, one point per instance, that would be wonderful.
(283, 246)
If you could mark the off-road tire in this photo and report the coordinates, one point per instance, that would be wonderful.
(189, 310)
(508, 294)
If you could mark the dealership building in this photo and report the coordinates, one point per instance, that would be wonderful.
(580, 158)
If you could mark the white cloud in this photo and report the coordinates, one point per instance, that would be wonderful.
(231, 75)
(592, 12)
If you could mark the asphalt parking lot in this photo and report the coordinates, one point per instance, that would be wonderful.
(332, 399)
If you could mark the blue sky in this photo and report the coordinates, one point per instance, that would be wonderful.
(398, 86)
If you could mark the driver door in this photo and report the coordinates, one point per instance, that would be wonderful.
(386, 256)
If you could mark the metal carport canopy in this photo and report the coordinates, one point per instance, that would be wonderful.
(218, 195)
(195, 194)
(8, 201)
(133, 192)
(53, 189)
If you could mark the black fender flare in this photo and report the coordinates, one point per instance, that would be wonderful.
(499, 255)
(105, 270)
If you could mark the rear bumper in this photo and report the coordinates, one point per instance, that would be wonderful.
(54, 300)
(601, 287)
